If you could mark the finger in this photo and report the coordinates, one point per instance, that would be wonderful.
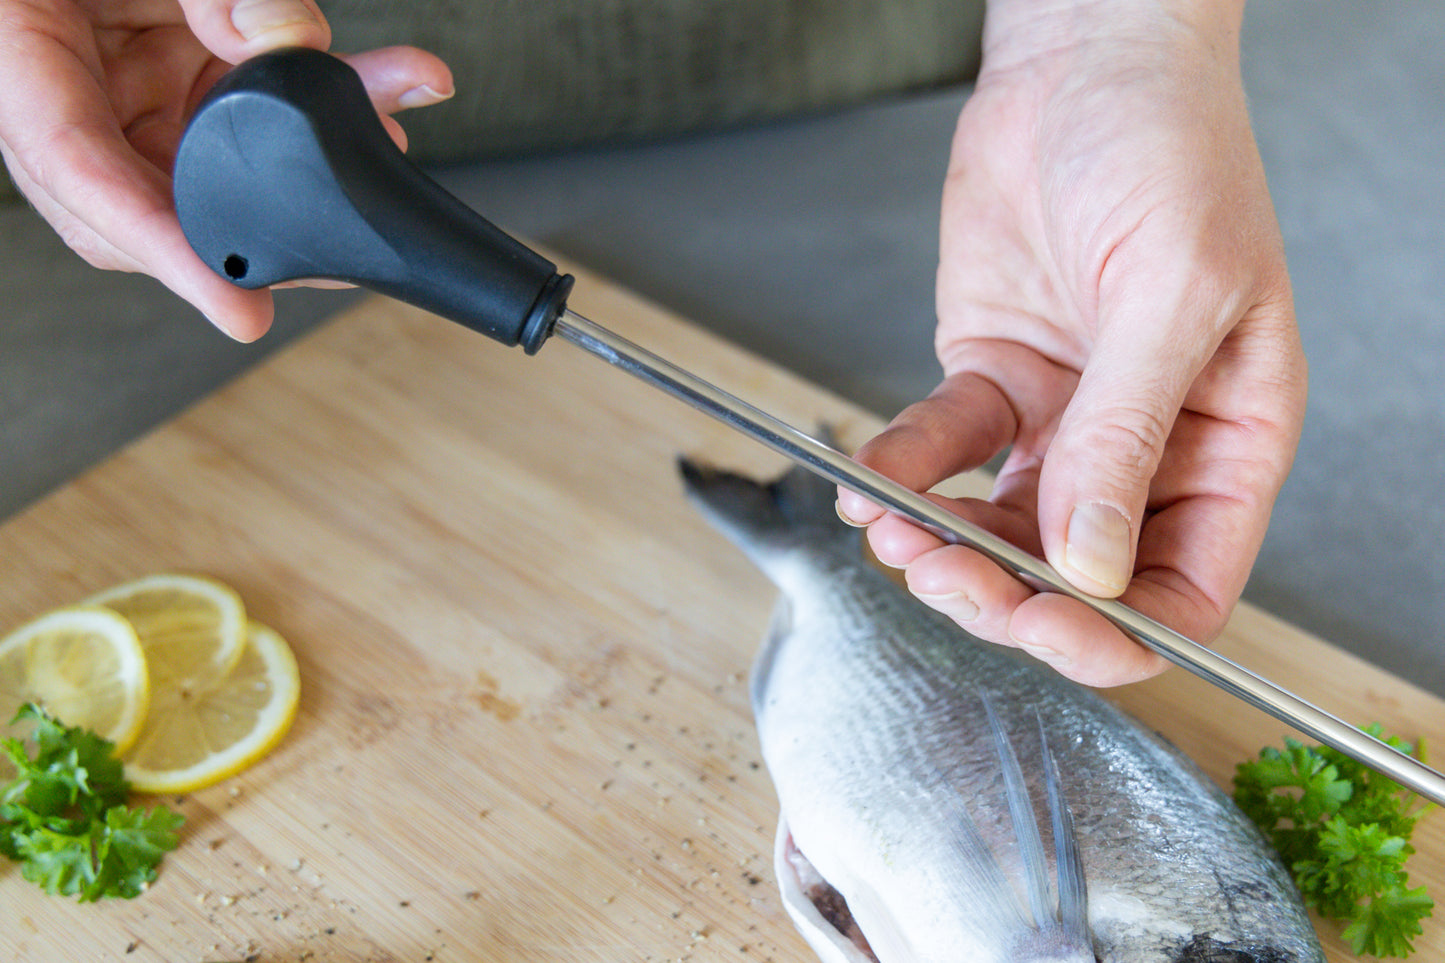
(395, 131)
(1058, 631)
(1094, 484)
(402, 78)
(1190, 572)
(1228, 455)
(968, 588)
(959, 426)
(1212, 499)
(997, 394)
(109, 205)
(237, 29)
(897, 541)
(1079, 643)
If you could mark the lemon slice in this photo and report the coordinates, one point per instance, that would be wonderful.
(191, 628)
(194, 737)
(83, 665)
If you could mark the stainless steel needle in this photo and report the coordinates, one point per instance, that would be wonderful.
(842, 470)
(357, 210)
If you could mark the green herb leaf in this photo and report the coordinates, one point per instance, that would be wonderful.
(57, 862)
(135, 841)
(64, 817)
(1388, 923)
(1344, 831)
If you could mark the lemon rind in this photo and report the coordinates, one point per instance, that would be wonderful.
(232, 611)
(282, 671)
(130, 656)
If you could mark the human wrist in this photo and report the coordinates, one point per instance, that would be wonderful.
(1034, 33)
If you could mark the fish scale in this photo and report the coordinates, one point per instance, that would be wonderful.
(873, 714)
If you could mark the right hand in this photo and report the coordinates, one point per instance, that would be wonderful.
(1115, 311)
(94, 96)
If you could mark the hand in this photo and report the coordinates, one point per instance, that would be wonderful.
(1113, 309)
(94, 95)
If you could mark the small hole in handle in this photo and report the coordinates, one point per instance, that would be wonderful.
(235, 266)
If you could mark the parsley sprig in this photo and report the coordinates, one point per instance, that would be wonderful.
(1344, 831)
(64, 816)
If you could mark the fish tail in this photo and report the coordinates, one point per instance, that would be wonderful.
(764, 518)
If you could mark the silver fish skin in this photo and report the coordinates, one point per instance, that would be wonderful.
(941, 797)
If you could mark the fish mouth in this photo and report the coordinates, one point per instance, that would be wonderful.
(818, 910)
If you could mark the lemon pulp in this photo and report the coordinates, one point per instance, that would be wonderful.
(190, 628)
(194, 737)
(84, 665)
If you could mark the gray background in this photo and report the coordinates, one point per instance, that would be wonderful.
(813, 241)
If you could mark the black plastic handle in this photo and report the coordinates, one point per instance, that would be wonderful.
(285, 172)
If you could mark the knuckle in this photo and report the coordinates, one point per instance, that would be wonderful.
(1131, 440)
(23, 19)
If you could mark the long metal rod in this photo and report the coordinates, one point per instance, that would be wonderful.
(842, 470)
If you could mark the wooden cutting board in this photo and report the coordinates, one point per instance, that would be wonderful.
(524, 732)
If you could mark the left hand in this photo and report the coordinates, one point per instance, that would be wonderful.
(94, 96)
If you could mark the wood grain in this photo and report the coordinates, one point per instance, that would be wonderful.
(524, 732)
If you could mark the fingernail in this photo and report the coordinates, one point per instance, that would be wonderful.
(838, 507)
(222, 327)
(1097, 546)
(1046, 655)
(422, 96)
(255, 18)
(955, 605)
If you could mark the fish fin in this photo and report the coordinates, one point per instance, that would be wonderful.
(806, 497)
(1021, 814)
(986, 885)
(797, 508)
(728, 498)
(1073, 892)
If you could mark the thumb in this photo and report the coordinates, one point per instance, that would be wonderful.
(237, 29)
(1094, 483)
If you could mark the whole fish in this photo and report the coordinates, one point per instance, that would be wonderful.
(945, 800)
